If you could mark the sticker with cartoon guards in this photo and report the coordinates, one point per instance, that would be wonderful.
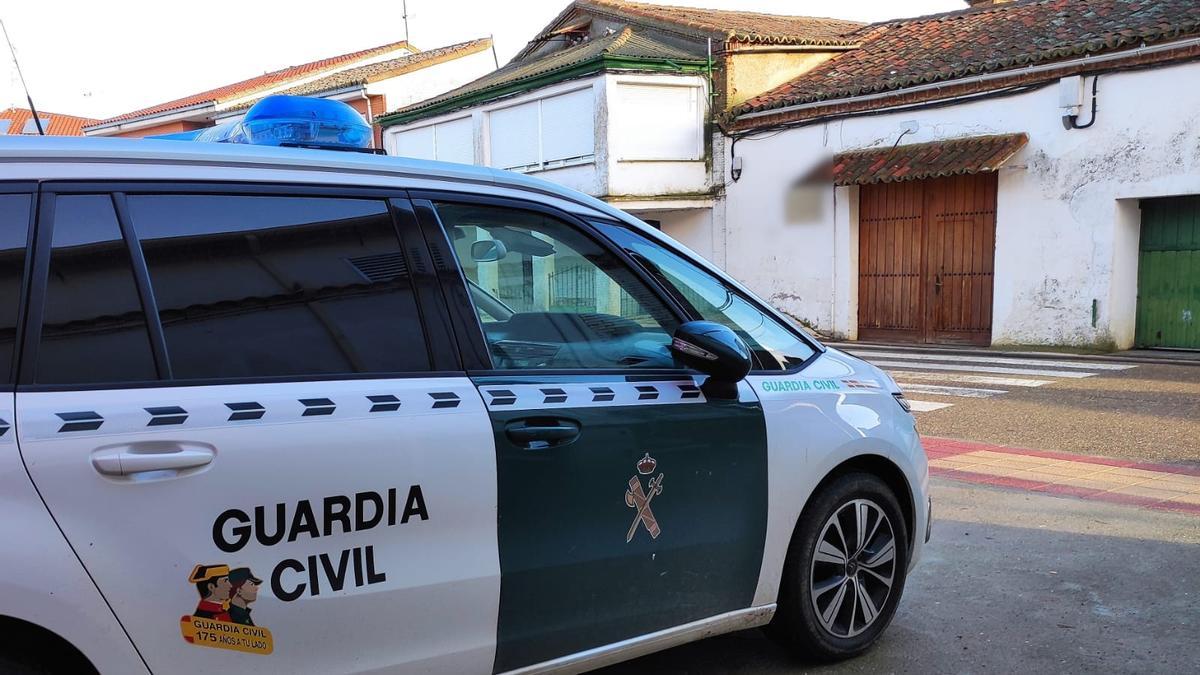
(222, 618)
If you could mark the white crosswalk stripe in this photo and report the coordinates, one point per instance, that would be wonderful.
(927, 406)
(1085, 365)
(964, 392)
(990, 380)
(967, 376)
(1070, 374)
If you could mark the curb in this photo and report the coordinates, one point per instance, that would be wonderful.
(865, 348)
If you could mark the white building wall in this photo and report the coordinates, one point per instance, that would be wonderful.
(624, 163)
(1067, 221)
(428, 82)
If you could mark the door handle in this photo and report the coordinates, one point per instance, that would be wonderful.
(127, 460)
(542, 433)
(937, 283)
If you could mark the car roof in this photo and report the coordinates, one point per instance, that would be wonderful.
(75, 158)
(40, 158)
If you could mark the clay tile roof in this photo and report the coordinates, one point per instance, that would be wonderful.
(381, 70)
(626, 43)
(897, 54)
(976, 154)
(753, 27)
(54, 124)
(258, 82)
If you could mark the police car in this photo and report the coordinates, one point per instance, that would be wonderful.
(280, 409)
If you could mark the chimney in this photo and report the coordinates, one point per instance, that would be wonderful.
(984, 3)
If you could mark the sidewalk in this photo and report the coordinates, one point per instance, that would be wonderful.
(1157, 356)
(1157, 486)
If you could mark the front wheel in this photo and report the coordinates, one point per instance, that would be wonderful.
(845, 570)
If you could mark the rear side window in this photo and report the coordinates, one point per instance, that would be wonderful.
(265, 286)
(93, 327)
(776, 347)
(14, 232)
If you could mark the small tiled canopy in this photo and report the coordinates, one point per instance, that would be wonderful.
(975, 154)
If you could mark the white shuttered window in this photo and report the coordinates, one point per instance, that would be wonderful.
(659, 123)
(546, 133)
(446, 141)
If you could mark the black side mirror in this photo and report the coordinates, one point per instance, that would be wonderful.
(716, 351)
(488, 250)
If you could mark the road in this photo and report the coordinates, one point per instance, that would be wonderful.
(1015, 581)
(1085, 405)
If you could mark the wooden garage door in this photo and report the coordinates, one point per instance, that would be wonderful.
(1168, 311)
(926, 260)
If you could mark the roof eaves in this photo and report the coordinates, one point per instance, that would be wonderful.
(898, 85)
(598, 64)
(193, 108)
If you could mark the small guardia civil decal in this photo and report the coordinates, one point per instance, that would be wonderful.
(222, 617)
(637, 498)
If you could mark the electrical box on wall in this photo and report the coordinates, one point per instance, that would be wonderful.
(1070, 95)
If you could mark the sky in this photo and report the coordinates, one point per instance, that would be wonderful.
(100, 59)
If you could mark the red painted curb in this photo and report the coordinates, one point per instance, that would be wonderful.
(937, 448)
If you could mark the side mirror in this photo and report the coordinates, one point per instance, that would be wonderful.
(488, 250)
(716, 351)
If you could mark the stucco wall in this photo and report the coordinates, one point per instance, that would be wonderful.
(1067, 219)
(756, 70)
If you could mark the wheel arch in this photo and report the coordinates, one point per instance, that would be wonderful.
(884, 469)
(48, 648)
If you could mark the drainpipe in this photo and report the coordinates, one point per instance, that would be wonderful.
(370, 117)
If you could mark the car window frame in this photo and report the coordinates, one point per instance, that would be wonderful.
(469, 328)
(443, 356)
(30, 188)
(695, 316)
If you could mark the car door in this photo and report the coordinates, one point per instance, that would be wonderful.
(628, 502)
(239, 408)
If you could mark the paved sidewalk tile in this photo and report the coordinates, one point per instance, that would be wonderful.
(1175, 488)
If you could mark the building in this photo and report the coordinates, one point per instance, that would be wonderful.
(19, 121)
(1024, 172)
(618, 100)
(371, 81)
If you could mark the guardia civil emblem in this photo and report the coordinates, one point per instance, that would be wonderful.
(638, 498)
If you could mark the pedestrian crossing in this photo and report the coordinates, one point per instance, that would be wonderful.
(952, 376)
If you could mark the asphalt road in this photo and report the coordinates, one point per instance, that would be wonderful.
(1149, 413)
(1016, 582)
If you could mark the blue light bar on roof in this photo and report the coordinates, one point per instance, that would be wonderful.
(302, 121)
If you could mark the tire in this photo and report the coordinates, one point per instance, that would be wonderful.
(840, 624)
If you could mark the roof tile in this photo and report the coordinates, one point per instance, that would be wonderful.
(908, 52)
(626, 43)
(974, 154)
(54, 124)
(754, 27)
(256, 83)
(381, 70)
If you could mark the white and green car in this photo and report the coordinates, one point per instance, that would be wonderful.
(291, 410)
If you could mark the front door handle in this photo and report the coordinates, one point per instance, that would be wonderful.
(540, 433)
(135, 458)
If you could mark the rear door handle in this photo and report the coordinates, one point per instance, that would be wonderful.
(542, 433)
(126, 460)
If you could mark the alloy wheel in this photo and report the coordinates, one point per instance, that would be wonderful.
(853, 568)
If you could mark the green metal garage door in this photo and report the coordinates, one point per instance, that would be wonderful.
(1168, 312)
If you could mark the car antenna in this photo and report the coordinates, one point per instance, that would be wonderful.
(36, 120)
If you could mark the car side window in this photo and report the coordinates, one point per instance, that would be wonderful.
(268, 286)
(548, 296)
(776, 347)
(14, 233)
(92, 306)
